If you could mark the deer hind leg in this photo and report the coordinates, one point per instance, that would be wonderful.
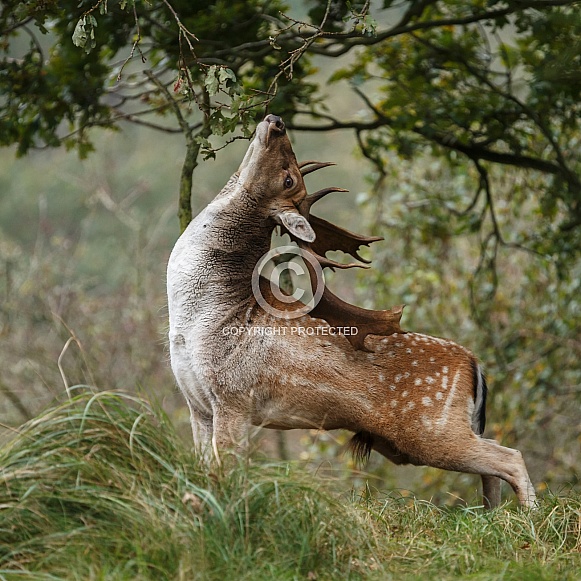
(490, 491)
(491, 461)
(523, 488)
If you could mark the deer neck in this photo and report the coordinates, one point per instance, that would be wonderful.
(210, 269)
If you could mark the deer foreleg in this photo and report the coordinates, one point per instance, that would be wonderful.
(202, 429)
(230, 432)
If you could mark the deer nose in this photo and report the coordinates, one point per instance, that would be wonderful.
(276, 121)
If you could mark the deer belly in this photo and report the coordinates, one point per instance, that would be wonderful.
(314, 406)
(281, 417)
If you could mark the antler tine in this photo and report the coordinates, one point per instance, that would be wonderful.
(323, 260)
(310, 166)
(332, 237)
(333, 264)
(309, 162)
(316, 196)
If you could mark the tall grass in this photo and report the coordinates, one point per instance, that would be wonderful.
(102, 488)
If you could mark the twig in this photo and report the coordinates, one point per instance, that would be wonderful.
(62, 371)
(485, 185)
(15, 26)
(186, 32)
(170, 101)
(99, 2)
(132, 118)
(135, 45)
(73, 337)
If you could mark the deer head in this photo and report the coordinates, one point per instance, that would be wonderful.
(270, 172)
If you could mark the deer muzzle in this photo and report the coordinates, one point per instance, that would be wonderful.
(272, 126)
(275, 123)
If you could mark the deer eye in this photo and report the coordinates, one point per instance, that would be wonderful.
(288, 182)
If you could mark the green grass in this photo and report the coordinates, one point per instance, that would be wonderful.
(102, 488)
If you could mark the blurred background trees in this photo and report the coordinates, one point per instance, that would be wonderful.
(455, 123)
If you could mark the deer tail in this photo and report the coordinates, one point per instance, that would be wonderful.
(480, 392)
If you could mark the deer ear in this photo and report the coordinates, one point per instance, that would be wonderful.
(297, 225)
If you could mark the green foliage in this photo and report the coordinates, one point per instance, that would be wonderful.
(100, 487)
(54, 98)
(496, 82)
(84, 34)
(217, 77)
(490, 94)
(42, 92)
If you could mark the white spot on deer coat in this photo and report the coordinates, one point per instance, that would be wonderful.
(443, 419)
(418, 381)
(427, 401)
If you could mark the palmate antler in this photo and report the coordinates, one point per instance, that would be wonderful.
(330, 307)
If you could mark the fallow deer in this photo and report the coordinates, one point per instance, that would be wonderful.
(413, 398)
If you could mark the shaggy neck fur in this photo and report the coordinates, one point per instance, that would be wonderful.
(210, 268)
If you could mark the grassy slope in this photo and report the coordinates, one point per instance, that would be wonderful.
(102, 488)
